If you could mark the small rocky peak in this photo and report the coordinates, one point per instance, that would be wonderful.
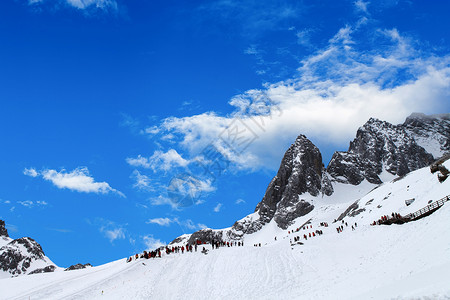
(78, 267)
(3, 230)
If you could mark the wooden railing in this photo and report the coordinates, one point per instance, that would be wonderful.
(427, 209)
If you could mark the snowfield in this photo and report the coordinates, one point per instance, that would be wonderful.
(409, 261)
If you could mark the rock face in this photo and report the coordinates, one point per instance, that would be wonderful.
(17, 256)
(430, 132)
(301, 171)
(379, 146)
(206, 235)
(3, 231)
(47, 269)
(78, 267)
(21, 256)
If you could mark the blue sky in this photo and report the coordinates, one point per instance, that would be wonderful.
(112, 110)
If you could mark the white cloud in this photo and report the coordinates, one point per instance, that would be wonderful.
(218, 207)
(160, 221)
(337, 90)
(240, 201)
(77, 180)
(159, 161)
(114, 234)
(110, 229)
(152, 243)
(30, 172)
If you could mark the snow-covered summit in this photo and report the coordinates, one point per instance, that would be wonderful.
(380, 152)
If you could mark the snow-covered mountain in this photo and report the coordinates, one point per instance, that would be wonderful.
(380, 151)
(21, 256)
(407, 261)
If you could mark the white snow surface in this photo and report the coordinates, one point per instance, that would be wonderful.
(409, 261)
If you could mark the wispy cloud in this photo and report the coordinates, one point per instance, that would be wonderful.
(111, 230)
(104, 5)
(188, 224)
(77, 180)
(30, 204)
(362, 6)
(240, 201)
(142, 182)
(60, 230)
(251, 18)
(160, 221)
(218, 207)
(152, 243)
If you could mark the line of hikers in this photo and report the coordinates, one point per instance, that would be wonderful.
(298, 229)
(188, 248)
(340, 228)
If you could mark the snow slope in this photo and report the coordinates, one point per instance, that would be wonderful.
(409, 261)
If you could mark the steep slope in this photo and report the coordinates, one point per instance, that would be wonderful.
(430, 132)
(379, 146)
(301, 171)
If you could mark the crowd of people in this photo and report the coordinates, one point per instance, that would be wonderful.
(384, 219)
(185, 248)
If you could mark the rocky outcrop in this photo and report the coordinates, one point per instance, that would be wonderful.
(379, 146)
(430, 132)
(3, 230)
(301, 172)
(78, 267)
(17, 256)
(21, 256)
(46, 269)
(206, 236)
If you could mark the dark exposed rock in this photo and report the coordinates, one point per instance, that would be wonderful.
(431, 132)
(301, 171)
(78, 267)
(353, 210)
(47, 269)
(378, 146)
(3, 230)
(16, 256)
(206, 236)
